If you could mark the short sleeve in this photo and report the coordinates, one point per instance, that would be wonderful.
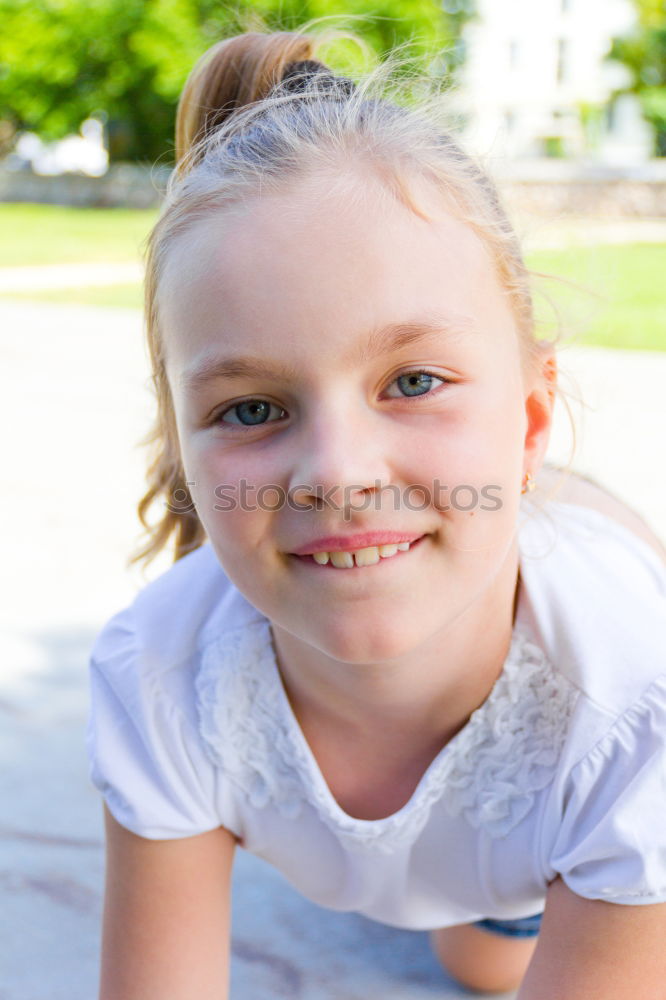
(144, 755)
(611, 843)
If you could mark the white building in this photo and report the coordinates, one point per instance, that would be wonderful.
(85, 153)
(536, 83)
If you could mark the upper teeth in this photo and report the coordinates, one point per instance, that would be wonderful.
(362, 557)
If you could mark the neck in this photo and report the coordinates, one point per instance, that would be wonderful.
(425, 696)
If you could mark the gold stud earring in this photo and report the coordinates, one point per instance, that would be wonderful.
(529, 483)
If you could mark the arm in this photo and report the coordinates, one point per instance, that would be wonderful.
(590, 949)
(166, 919)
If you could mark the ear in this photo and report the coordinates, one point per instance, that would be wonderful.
(539, 406)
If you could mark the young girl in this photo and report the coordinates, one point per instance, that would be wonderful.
(378, 662)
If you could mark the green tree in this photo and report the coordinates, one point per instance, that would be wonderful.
(643, 52)
(64, 60)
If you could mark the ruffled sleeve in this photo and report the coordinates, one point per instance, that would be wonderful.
(144, 754)
(611, 842)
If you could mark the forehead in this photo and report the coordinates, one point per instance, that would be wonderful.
(312, 268)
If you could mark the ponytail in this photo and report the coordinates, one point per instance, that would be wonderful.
(235, 72)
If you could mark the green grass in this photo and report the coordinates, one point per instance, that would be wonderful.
(611, 296)
(55, 234)
(126, 296)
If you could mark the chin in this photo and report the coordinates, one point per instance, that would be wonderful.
(361, 642)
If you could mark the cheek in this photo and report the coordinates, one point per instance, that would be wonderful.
(227, 482)
(473, 466)
(481, 438)
(238, 538)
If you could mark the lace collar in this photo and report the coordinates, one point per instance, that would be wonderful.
(488, 772)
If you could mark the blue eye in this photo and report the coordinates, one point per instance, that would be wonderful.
(249, 413)
(417, 383)
(256, 412)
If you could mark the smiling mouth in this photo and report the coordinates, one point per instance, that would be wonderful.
(360, 558)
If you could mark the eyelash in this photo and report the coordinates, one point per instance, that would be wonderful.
(216, 419)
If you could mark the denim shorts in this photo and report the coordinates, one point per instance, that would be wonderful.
(522, 927)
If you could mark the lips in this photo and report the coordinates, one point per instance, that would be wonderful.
(352, 543)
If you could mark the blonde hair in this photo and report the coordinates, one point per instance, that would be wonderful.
(240, 128)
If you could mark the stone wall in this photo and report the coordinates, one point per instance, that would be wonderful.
(548, 188)
(610, 199)
(124, 185)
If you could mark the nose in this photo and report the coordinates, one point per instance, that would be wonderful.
(342, 459)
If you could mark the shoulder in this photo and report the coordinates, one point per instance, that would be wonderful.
(146, 660)
(176, 614)
(146, 754)
(603, 830)
(581, 491)
(594, 597)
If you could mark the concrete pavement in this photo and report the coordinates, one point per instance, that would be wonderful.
(75, 400)
(43, 278)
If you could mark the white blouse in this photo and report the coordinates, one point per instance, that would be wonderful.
(562, 770)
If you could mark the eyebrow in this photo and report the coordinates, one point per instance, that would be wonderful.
(390, 338)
